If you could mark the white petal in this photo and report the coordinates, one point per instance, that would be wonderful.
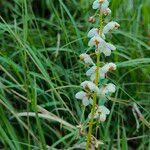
(91, 71)
(107, 52)
(80, 95)
(108, 67)
(111, 47)
(89, 116)
(93, 87)
(96, 4)
(95, 41)
(102, 117)
(91, 101)
(104, 110)
(85, 101)
(93, 77)
(104, 5)
(96, 115)
(93, 32)
(102, 92)
(84, 84)
(105, 68)
(91, 42)
(87, 59)
(110, 26)
(107, 11)
(102, 45)
(90, 85)
(112, 66)
(102, 75)
(111, 88)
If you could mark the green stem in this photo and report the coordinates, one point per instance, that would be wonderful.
(95, 94)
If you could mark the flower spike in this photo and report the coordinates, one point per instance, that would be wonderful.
(98, 87)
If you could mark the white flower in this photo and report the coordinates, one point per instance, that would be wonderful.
(92, 73)
(91, 70)
(96, 4)
(88, 85)
(101, 45)
(106, 48)
(110, 88)
(102, 71)
(107, 11)
(101, 113)
(107, 89)
(96, 41)
(100, 4)
(86, 100)
(110, 26)
(95, 32)
(86, 58)
(104, 5)
(108, 67)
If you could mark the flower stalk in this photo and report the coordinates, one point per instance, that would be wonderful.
(92, 90)
(95, 94)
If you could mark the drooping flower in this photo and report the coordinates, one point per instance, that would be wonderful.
(107, 89)
(106, 48)
(92, 73)
(106, 11)
(102, 71)
(86, 58)
(90, 86)
(110, 26)
(96, 41)
(108, 67)
(101, 113)
(95, 32)
(110, 88)
(100, 4)
(85, 97)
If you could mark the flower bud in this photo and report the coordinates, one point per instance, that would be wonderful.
(92, 19)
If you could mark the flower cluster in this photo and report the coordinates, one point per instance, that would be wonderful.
(98, 73)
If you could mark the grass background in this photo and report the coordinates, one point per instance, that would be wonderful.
(40, 71)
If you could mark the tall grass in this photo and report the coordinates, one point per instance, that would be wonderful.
(40, 42)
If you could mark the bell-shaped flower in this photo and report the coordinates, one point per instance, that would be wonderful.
(92, 73)
(101, 45)
(100, 4)
(95, 32)
(85, 97)
(110, 26)
(106, 48)
(86, 58)
(90, 86)
(108, 67)
(106, 11)
(102, 71)
(107, 89)
(110, 88)
(101, 113)
(96, 41)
